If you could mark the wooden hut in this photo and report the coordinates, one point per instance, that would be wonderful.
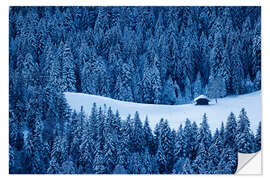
(202, 100)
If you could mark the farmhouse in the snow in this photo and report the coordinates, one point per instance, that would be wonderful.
(202, 100)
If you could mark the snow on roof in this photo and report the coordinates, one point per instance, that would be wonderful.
(201, 97)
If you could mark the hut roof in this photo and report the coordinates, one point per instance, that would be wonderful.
(201, 97)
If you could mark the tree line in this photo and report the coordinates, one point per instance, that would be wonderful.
(157, 55)
(103, 143)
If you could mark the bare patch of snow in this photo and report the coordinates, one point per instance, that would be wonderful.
(176, 114)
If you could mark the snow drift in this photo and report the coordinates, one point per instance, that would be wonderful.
(176, 114)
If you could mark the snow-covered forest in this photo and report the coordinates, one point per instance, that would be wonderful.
(157, 55)
(103, 143)
(152, 55)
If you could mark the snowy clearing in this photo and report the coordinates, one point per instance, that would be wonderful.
(177, 114)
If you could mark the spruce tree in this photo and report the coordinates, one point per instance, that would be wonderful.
(137, 136)
(200, 163)
(168, 92)
(244, 136)
(231, 131)
(204, 134)
(149, 139)
(68, 74)
(198, 86)
(179, 144)
(216, 87)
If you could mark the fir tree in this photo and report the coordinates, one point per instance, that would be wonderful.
(216, 87)
(198, 86)
(86, 149)
(99, 164)
(151, 83)
(231, 131)
(149, 139)
(200, 163)
(123, 151)
(204, 134)
(68, 74)
(168, 93)
(244, 136)
(137, 136)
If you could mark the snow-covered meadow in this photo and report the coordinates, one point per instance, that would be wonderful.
(177, 114)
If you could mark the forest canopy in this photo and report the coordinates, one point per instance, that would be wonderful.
(160, 55)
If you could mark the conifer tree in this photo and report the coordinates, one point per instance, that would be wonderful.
(149, 139)
(99, 164)
(198, 86)
(68, 74)
(168, 92)
(231, 131)
(258, 137)
(123, 151)
(28, 149)
(86, 149)
(151, 82)
(179, 144)
(216, 87)
(204, 135)
(165, 154)
(200, 163)
(244, 136)
(137, 136)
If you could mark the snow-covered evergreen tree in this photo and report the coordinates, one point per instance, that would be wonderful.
(165, 153)
(168, 92)
(86, 148)
(204, 134)
(197, 87)
(28, 161)
(258, 137)
(179, 144)
(99, 164)
(216, 87)
(249, 86)
(231, 131)
(68, 74)
(200, 164)
(148, 135)
(188, 91)
(125, 92)
(123, 151)
(244, 136)
(228, 162)
(236, 71)
(151, 83)
(28, 69)
(137, 137)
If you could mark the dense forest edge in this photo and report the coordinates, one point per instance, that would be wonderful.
(156, 55)
(103, 143)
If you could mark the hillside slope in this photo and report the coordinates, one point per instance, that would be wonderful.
(177, 114)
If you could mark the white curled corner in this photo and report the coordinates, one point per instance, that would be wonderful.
(249, 164)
